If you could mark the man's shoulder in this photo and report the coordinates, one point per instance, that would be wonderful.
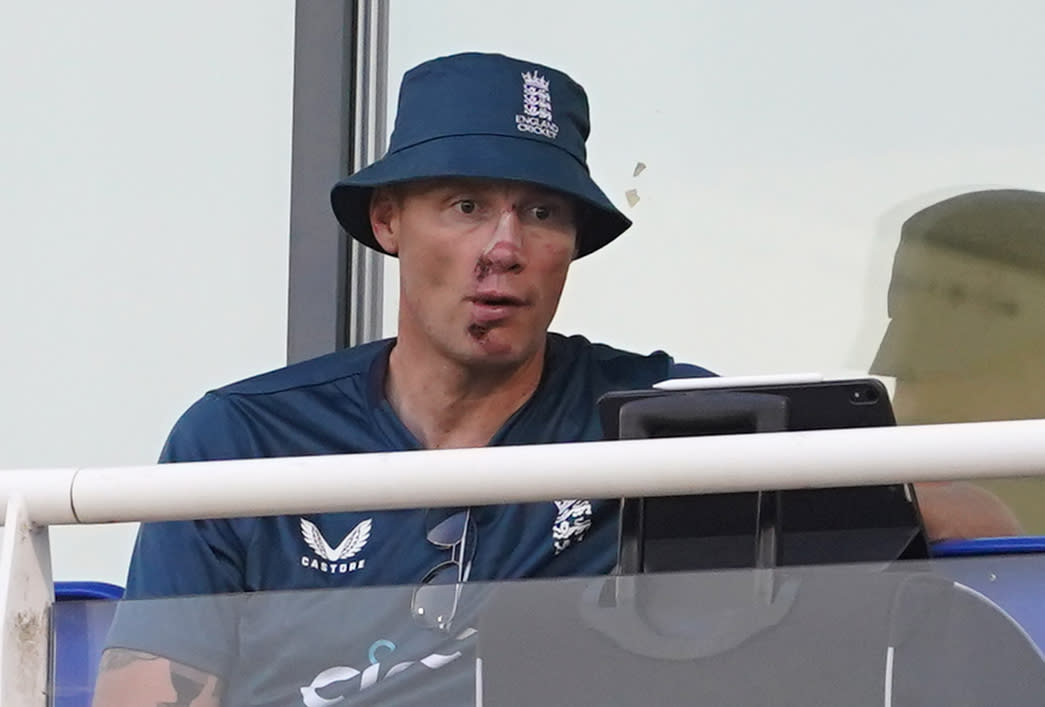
(322, 370)
(316, 406)
(616, 362)
(575, 346)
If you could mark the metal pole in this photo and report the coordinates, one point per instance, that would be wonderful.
(655, 467)
(26, 595)
(371, 100)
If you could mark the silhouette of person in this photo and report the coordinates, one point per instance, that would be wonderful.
(964, 342)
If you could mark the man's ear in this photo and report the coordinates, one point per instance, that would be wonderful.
(384, 218)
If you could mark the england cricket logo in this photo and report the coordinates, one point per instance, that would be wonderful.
(571, 523)
(333, 560)
(537, 107)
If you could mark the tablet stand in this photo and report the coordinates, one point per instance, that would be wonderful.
(763, 529)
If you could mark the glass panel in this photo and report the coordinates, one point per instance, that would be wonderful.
(835, 187)
(845, 635)
(79, 629)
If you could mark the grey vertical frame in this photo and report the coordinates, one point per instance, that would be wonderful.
(371, 101)
(340, 68)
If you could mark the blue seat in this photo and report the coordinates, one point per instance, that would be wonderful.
(1008, 571)
(82, 614)
(989, 546)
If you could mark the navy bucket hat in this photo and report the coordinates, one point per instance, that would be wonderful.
(486, 116)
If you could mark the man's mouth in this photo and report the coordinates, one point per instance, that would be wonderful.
(489, 308)
(498, 300)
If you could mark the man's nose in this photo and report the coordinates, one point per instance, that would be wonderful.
(503, 252)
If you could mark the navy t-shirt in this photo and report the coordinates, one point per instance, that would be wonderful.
(335, 404)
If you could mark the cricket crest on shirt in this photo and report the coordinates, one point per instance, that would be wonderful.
(572, 522)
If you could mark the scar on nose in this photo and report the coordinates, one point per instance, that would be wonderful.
(482, 267)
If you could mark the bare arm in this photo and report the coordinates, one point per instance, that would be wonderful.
(129, 678)
(954, 510)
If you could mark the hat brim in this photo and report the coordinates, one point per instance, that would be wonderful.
(487, 157)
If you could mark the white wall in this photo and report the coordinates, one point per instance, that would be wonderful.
(144, 187)
(144, 208)
(785, 143)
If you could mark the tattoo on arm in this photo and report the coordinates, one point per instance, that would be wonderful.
(188, 684)
(116, 658)
(191, 687)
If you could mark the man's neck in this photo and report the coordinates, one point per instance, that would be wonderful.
(447, 405)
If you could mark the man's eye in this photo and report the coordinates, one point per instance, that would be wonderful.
(542, 213)
(466, 206)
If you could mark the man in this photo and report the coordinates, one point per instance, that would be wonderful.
(965, 339)
(485, 198)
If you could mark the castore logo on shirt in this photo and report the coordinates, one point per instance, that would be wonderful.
(330, 558)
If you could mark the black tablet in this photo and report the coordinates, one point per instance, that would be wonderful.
(771, 527)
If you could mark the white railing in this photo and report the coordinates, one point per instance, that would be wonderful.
(38, 498)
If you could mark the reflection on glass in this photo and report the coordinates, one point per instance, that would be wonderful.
(967, 327)
(846, 635)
